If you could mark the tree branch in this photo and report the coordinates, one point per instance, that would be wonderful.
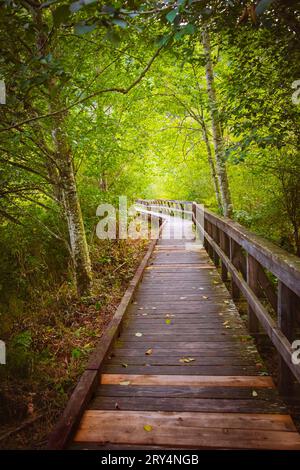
(123, 91)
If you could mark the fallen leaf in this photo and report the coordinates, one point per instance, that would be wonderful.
(153, 308)
(204, 297)
(141, 308)
(182, 298)
(139, 334)
(148, 427)
(226, 322)
(149, 352)
(186, 360)
(125, 382)
(254, 393)
(124, 365)
(144, 314)
(226, 302)
(117, 406)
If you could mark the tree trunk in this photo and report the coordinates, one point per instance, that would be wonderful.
(211, 165)
(72, 210)
(216, 129)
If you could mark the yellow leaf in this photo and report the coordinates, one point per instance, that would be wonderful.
(124, 365)
(149, 352)
(148, 427)
(254, 393)
(125, 382)
(168, 321)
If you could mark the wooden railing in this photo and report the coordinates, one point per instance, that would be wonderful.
(267, 276)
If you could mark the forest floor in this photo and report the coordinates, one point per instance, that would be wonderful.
(54, 343)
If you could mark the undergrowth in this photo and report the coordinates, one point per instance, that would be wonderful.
(49, 343)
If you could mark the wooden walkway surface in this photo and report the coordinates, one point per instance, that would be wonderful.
(184, 373)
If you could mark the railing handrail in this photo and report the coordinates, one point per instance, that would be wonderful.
(285, 266)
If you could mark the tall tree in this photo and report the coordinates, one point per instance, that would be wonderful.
(216, 128)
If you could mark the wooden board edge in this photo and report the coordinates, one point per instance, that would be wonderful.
(73, 412)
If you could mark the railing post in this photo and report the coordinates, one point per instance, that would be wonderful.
(209, 247)
(286, 308)
(216, 238)
(235, 292)
(252, 281)
(224, 245)
(206, 244)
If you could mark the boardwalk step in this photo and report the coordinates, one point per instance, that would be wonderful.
(195, 430)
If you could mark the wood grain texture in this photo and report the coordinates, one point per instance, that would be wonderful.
(221, 381)
(199, 430)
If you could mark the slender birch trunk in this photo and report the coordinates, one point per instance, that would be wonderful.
(211, 165)
(216, 129)
(72, 210)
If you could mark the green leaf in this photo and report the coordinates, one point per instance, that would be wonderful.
(76, 353)
(83, 28)
(75, 6)
(123, 24)
(171, 15)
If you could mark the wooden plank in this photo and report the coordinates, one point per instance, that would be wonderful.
(222, 338)
(217, 346)
(173, 360)
(182, 369)
(200, 430)
(183, 391)
(235, 354)
(197, 381)
(209, 405)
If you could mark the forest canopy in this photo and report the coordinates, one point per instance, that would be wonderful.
(185, 99)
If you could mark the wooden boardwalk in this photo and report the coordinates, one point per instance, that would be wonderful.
(184, 373)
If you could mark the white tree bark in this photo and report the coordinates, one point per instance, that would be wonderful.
(216, 129)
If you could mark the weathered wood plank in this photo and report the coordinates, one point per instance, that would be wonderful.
(183, 391)
(200, 430)
(173, 380)
(209, 405)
